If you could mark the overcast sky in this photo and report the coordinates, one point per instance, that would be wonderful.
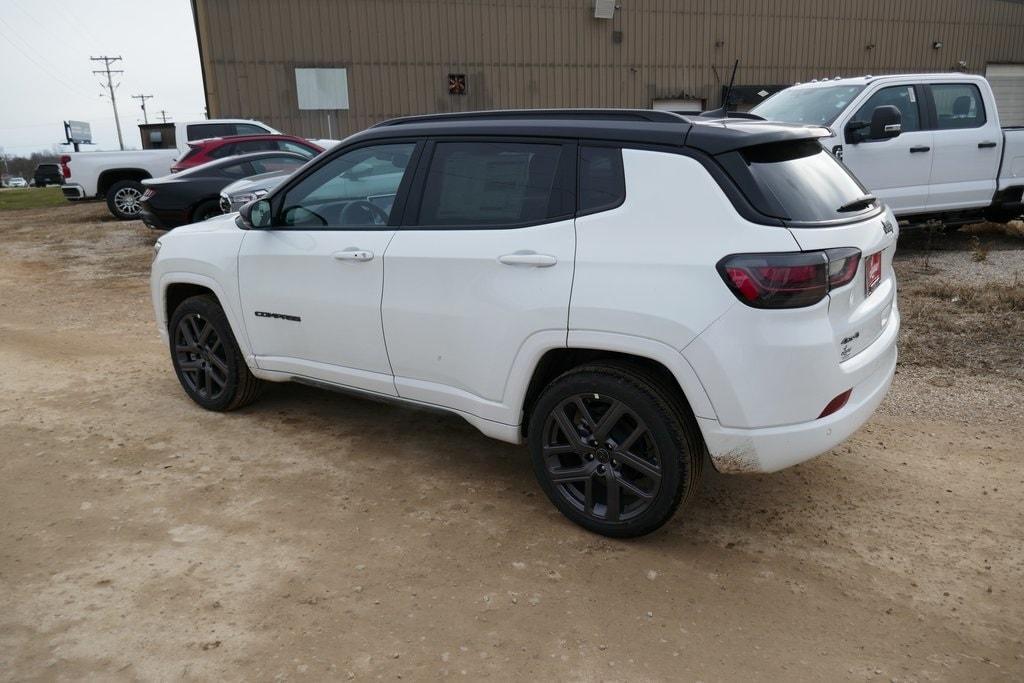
(46, 76)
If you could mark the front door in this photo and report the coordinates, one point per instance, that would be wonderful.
(482, 272)
(896, 170)
(311, 284)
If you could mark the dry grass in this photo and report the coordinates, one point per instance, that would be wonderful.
(953, 325)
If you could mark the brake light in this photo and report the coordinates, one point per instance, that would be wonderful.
(788, 279)
(65, 170)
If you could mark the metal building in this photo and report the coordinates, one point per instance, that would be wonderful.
(327, 68)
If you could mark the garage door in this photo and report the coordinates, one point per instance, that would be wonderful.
(1007, 82)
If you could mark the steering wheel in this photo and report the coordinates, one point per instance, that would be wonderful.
(362, 212)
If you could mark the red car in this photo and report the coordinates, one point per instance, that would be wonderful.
(202, 151)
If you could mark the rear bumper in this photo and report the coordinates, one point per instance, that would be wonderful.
(73, 192)
(772, 448)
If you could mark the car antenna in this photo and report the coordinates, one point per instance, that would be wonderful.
(723, 111)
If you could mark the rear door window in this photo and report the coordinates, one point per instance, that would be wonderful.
(958, 105)
(201, 131)
(492, 184)
(602, 183)
(798, 181)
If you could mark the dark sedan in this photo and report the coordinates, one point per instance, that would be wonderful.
(193, 195)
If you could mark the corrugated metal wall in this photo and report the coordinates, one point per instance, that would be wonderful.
(554, 53)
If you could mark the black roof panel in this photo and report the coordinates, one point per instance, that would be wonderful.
(641, 126)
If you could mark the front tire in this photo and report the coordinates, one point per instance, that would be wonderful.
(615, 448)
(124, 199)
(207, 210)
(206, 357)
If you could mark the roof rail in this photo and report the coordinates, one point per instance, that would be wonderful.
(652, 115)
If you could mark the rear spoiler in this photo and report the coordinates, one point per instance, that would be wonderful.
(717, 136)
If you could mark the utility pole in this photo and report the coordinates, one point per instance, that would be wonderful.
(107, 61)
(163, 115)
(142, 99)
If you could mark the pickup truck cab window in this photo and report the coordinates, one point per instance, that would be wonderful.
(902, 97)
(356, 189)
(958, 105)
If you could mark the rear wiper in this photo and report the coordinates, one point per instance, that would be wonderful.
(858, 203)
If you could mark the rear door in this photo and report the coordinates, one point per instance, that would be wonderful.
(968, 145)
(896, 170)
(311, 284)
(481, 269)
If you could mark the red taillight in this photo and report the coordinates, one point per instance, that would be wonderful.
(788, 279)
(836, 403)
(65, 170)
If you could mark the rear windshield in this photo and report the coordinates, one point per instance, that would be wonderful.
(48, 167)
(798, 181)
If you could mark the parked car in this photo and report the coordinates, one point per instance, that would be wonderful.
(202, 151)
(17, 181)
(193, 195)
(47, 174)
(241, 192)
(117, 176)
(718, 285)
(929, 145)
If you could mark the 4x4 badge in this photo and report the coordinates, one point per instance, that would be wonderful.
(887, 227)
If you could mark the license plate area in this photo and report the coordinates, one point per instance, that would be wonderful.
(872, 273)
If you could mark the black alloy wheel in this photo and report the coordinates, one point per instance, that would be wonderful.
(601, 457)
(615, 447)
(201, 357)
(206, 357)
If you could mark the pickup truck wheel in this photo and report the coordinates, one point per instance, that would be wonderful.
(124, 199)
(613, 449)
(206, 357)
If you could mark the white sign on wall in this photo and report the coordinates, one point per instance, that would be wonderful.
(322, 88)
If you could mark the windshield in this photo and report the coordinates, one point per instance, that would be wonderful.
(818, 106)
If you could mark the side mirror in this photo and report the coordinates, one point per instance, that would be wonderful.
(254, 215)
(886, 122)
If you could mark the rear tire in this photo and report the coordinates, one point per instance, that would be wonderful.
(615, 448)
(208, 209)
(206, 357)
(124, 199)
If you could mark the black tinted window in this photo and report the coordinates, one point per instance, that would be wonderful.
(201, 131)
(798, 181)
(479, 184)
(236, 170)
(358, 188)
(248, 129)
(902, 97)
(602, 185)
(223, 152)
(958, 105)
(281, 163)
(255, 146)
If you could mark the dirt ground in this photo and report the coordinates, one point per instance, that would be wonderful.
(314, 536)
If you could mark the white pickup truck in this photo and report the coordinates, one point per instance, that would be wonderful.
(928, 145)
(117, 176)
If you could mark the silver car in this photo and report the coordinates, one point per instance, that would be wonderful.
(243, 191)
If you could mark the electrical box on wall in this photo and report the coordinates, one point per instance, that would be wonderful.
(604, 9)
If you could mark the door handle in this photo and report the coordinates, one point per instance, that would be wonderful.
(354, 254)
(986, 144)
(528, 258)
(919, 148)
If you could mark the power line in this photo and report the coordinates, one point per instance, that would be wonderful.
(142, 99)
(41, 66)
(107, 61)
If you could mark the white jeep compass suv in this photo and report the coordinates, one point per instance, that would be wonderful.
(627, 292)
